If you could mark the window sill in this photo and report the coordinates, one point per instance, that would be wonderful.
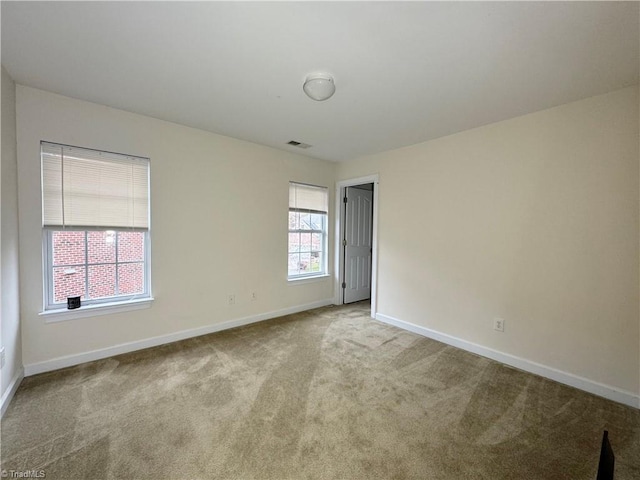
(60, 315)
(308, 279)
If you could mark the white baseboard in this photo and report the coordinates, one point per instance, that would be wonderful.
(71, 360)
(11, 391)
(602, 390)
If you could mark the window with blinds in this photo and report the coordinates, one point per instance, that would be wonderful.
(308, 222)
(89, 188)
(95, 216)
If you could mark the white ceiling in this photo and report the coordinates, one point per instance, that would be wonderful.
(404, 72)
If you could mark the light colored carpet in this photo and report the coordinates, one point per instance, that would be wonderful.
(325, 394)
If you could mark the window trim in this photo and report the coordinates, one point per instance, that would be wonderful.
(324, 265)
(63, 314)
(299, 280)
(90, 306)
(325, 244)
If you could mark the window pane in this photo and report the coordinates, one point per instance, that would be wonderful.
(294, 220)
(131, 278)
(317, 221)
(305, 262)
(102, 281)
(316, 241)
(305, 221)
(294, 263)
(102, 249)
(305, 242)
(68, 248)
(130, 247)
(68, 282)
(316, 262)
(294, 242)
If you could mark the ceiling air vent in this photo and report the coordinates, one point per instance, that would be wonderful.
(293, 143)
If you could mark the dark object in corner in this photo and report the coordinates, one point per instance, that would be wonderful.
(607, 459)
(73, 302)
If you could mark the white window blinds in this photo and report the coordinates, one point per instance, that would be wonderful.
(84, 188)
(308, 198)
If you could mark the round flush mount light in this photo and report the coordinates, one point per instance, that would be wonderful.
(319, 86)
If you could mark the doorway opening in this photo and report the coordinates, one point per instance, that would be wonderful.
(356, 241)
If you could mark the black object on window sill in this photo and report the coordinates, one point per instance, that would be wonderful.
(73, 302)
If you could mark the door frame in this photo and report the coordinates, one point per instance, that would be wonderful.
(338, 275)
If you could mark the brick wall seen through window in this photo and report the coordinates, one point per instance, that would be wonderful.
(97, 264)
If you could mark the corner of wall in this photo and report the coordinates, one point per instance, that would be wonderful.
(12, 371)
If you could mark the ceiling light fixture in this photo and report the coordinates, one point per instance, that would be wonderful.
(319, 86)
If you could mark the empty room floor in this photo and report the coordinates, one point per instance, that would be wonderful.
(324, 394)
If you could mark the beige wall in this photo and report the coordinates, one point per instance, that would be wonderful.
(219, 224)
(10, 300)
(534, 220)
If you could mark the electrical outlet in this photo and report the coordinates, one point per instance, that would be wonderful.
(254, 296)
(2, 357)
(498, 324)
(232, 299)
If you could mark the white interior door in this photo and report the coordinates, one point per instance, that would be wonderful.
(357, 244)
